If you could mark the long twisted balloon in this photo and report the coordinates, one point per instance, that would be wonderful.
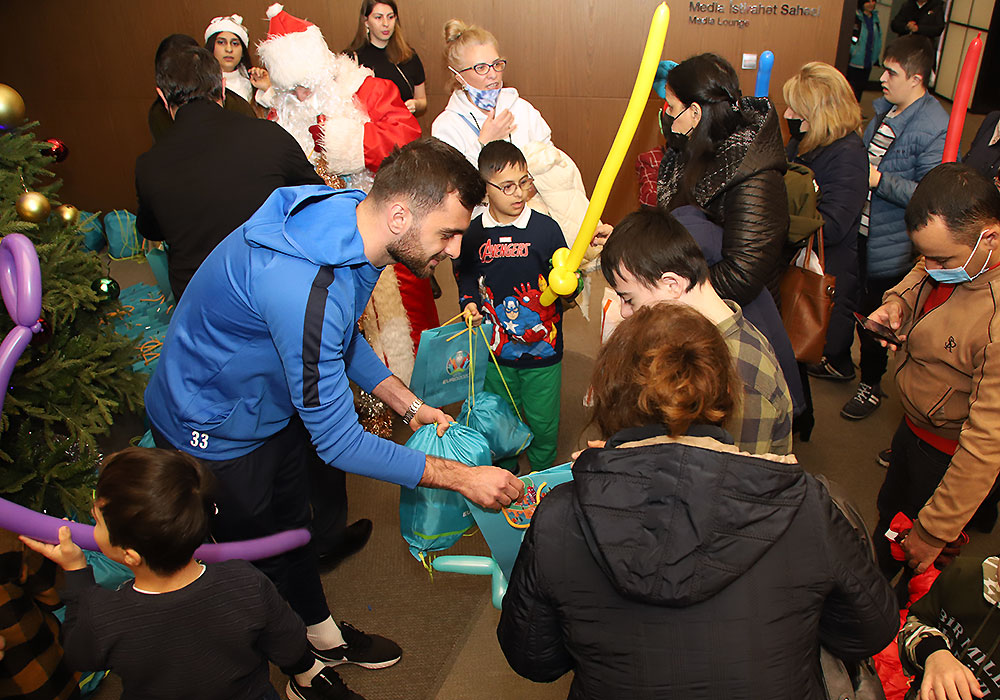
(565, 262)
(21, 288)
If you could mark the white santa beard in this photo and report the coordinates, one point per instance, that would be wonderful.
(343, 131)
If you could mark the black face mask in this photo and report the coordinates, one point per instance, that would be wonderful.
(675, 141)
(795, 128)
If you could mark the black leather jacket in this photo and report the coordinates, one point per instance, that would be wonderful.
(679, 568)
(743, 189)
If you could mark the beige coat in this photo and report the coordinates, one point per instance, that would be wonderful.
(949, 382)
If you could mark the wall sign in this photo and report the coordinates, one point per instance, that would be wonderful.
(739, 14)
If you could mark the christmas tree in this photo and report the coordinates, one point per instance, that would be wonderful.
(75, 376)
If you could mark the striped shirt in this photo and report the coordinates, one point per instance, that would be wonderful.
(881, 141)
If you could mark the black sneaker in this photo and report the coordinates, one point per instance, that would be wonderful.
(825, 370)
(326, 685)
(866, 399)
(366, 650)
(883, 457)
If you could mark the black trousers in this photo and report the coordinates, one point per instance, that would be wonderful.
(915, 470)
(265, 492)
(874, 358)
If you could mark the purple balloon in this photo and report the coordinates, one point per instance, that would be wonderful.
(21, 287)
(10, 349)
(45, 528)
(20, 279)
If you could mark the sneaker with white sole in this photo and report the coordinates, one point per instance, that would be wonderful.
(365, 650)
(883, 457)
(866, 399)
(325, 685)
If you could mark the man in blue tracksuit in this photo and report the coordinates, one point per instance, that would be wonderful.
(261, 347)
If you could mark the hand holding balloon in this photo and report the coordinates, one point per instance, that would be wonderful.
(66, 554)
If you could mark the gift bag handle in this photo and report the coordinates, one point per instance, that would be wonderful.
(497, 365)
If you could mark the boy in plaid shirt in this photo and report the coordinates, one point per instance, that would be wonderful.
(651, 258)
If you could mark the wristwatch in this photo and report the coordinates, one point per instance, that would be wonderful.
(411, 412)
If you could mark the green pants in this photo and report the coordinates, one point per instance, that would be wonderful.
(536, 392)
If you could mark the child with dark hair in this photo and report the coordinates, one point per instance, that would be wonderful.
(506, 255)
(180, 628)
(651, 258)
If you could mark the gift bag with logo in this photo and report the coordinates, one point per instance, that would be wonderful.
(448, 360)
(434, 519)
(504, 530)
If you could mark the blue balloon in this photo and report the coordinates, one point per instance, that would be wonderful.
(764, 66)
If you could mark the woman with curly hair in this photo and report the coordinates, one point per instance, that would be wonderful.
(674, 565)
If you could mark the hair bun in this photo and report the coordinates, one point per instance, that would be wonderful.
(453, 30)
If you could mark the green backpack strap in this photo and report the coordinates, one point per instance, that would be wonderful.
(804, 218)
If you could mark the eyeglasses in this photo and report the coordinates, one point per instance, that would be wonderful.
(484, 68)
(509, 188)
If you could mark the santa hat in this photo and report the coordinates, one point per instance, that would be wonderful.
(232, 23)
(294, 51)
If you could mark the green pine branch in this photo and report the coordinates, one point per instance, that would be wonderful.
(65, 392)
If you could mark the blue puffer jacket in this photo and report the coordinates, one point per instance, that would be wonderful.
(918, 147)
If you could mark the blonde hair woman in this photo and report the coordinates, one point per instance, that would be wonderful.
(481, 109)
(823, 120)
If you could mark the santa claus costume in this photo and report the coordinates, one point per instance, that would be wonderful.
(347, 121)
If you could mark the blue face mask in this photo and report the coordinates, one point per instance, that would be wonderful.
(958, 275)
(484, 99)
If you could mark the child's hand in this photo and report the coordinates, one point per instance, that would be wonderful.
(947, 678)
(601, 234)
(590, 443)
(471, 311)
(66, 554)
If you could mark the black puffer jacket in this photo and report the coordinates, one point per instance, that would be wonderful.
(679, 568)
(743, 189)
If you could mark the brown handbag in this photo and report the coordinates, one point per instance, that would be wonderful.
(806, 304)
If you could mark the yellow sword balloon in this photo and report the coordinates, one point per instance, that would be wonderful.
(565, 262)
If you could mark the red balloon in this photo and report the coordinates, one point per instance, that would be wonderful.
(57, 150)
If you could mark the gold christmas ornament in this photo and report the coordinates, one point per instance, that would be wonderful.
(33, 207)
(68, 213)
(12, 109)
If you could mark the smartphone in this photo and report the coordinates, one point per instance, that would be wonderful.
(877, 330)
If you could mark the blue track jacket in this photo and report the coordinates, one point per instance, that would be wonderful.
(267, 327)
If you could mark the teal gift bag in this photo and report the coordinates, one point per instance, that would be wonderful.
(504, 530)
(450, 363)
(157, 259)
(495, 419)
(92, 231)
(434, 519)
(123, 240)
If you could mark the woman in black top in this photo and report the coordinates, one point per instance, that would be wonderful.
(379, 44)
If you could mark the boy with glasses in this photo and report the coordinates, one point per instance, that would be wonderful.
(506, 255)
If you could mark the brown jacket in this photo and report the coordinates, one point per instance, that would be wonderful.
(949, 382)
